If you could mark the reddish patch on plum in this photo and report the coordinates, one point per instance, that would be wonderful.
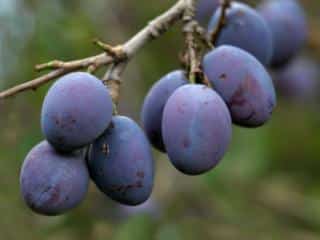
(54, 193)
(237, 98)
(180, 110)
(124, 188)
(186, 143)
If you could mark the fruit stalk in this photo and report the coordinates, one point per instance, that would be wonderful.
(225, 4)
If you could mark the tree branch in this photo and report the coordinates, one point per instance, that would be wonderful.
(59, 68)
(119, 56)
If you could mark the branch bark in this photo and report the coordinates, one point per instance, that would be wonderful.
(60, 69)
(152, 31)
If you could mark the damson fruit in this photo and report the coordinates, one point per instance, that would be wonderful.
(298, 81)
(246, 29)
(121, 163)
(154, 103)
(196, 128)
(76, 110)
(53, 183)
(205, 9)
(243, 83)
(288, 25)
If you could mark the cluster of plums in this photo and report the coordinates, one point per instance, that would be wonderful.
(274, 32)
(192, 123)
(77, 113)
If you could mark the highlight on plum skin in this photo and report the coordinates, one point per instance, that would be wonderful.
(121, 162)
(243, 83)
(75, 111)
(244, 28)
(196, 128)
(288, 25)
(53, 183)
(154, 102)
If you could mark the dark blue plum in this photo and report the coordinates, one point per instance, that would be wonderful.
(53, 183)
(76, 110)
(154, 103)
(289, 29)
(243, 83)
(121, 163)
(298, 81)
(196, 128)
(246, 29)
(205, 9)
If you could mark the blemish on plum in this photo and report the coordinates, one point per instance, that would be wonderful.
(140, 174)
(223, 76)
(60, 139)
(105, 149)
(139, 184)
(100, 172)
(180, 110)
(186, 143)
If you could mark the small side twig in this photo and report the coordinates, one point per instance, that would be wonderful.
(116, 52)
(202, 35)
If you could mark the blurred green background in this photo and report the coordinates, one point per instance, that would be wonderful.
(267, 186)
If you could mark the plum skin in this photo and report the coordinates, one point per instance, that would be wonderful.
(75, 111)
(53, 183)
(243, 83)
(245, 28)
(205, 9)
(121, 162)
(152, 109)
(196, 128)
(288, 24)
(298, 81)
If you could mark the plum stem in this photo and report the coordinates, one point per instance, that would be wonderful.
(191, 45)
(225, 4)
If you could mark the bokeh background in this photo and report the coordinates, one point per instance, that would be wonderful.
(267, 186)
